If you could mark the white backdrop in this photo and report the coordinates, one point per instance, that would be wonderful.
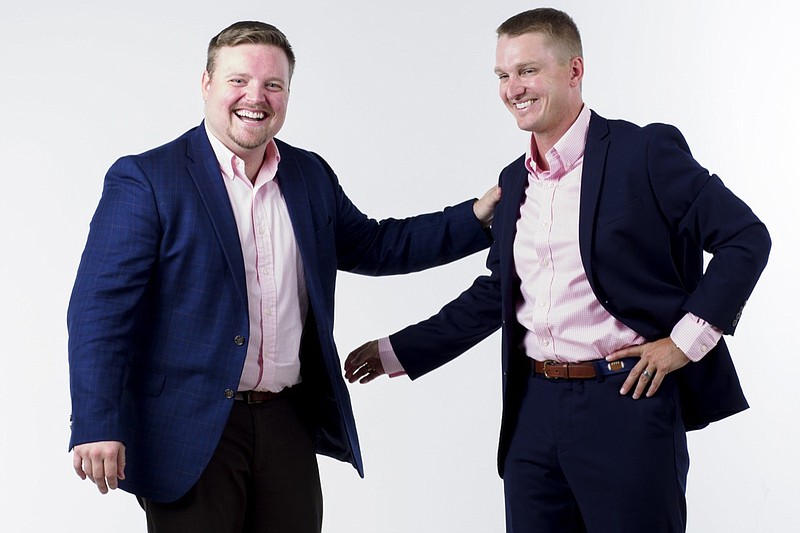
(400, 98)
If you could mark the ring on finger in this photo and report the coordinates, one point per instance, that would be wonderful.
(647, 374)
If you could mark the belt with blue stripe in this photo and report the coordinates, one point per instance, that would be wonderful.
(583, 370)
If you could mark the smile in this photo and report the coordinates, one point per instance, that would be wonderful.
(246, 114)
(524, 105)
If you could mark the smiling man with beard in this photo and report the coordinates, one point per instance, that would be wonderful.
(203, 372)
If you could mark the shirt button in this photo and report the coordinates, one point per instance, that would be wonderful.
(703, 348)
(238, 340)
(229, 393)
(545, 262)
(546, 343)
(542, 303)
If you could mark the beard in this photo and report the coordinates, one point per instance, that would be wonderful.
(249, 140)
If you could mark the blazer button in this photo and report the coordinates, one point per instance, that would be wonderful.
(229, 393)
(238, 340)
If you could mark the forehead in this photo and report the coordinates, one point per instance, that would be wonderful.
(255, 59)
(528, 47)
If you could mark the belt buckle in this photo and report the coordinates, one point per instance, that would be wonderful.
(551, 363)
(249, 400)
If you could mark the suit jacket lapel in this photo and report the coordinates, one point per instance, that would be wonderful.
(204, 169)
(594, 163)
(513, 195)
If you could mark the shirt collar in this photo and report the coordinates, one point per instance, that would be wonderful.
(232, 166)
(566, 153)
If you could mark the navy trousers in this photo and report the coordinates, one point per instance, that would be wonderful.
(583, 458)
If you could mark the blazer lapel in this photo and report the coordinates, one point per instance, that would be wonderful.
(594, 163)
(513, 195)
(204, 169)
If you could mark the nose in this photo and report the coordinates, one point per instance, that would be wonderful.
(254, 92)
(514, 89)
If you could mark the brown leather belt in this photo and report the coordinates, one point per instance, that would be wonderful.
(584, 370)
(259, 396)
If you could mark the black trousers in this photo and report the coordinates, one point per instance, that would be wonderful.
(262, 478)
(583, 458)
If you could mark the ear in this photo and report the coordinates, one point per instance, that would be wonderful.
(576, 71)
(204, 84)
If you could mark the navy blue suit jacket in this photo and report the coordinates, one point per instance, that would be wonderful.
(158, 318)
(648, 210)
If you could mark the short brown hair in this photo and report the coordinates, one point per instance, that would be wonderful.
(249, 32)
(556, 25)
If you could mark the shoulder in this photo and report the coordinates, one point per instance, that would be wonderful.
(624, 129)
(306, 159)
(308, 164)
(169, 154)
(516, 166)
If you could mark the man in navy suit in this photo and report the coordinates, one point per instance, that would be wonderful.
(203, 371)
(611, 328)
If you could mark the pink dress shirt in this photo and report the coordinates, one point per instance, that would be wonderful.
(276, 290)
(563, 318)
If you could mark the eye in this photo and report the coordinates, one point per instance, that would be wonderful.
(237, 81)
(502, 77)
(274, 87)
(528, 71)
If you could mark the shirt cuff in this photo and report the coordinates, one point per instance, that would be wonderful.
(694, 336)
(389, 361)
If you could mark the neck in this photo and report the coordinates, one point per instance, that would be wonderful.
(252, 164)
(546, 140)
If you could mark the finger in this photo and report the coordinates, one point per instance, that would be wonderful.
(369, 377)
(98, 475)
(110, 469)
(77, 464)
(359, 373)
(356, 357)
(351, 366)
(641, 383)
(644, 381)
(121, 463)
(633, 351)
(656, 383)
(633, 378)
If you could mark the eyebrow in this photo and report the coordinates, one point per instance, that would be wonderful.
(518, 66)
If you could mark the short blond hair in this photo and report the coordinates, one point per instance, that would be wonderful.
(248, 32)
(559, 28)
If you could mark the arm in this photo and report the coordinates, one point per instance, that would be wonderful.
(702, 210)
(400, 246)
(457, 327)
(700, 207)
(114, 271)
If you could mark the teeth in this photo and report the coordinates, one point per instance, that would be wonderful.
(524, 105)
(255, 115)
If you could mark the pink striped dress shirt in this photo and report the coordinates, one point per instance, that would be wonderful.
(276, 289)
(563, 318)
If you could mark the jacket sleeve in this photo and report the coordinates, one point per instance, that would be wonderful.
(400, 246)
(700, 206)
(113, 274)
(458, 326)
